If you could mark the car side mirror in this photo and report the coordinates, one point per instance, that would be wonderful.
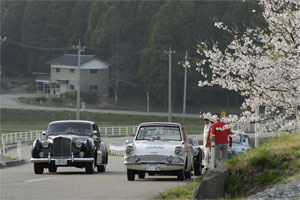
(44, 135)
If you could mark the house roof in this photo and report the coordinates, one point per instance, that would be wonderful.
(71, 59)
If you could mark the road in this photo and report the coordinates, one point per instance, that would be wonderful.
(11, 101)
(73, 183)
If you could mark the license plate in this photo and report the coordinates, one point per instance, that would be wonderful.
(61, 162)
(152, 167)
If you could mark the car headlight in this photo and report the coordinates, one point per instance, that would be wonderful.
(78, 144)
(178, 150)
(45, 144)
(41, 154)
(129, 150)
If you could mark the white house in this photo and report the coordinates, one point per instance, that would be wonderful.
(64, 74)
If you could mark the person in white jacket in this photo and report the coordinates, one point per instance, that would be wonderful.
(206, 149)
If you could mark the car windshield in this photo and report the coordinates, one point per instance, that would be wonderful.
(70, 128)
(159, 133)
(236, 138)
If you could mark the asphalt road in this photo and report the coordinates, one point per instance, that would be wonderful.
(20, 182)
(11, 101)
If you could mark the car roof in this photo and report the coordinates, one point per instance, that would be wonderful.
(241, 133)
(72, 121)
(160, 124)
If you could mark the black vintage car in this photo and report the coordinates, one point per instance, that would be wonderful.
(70, 143)
(197, 156)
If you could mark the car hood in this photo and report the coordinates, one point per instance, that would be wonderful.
(159, 147)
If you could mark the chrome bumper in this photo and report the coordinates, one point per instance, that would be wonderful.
(48, 160)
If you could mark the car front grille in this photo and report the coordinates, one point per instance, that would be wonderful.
(153, 158)
(62, 147)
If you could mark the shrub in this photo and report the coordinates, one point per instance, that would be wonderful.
(70, 95)
(57, 100)
(39, 99)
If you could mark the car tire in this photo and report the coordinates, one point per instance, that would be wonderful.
(151, 173)
(187, 174)
(101, 168)
(141, 175)
(130, 175)
(52, 169)
(38, 169)
(197, 169)
(180, 175)
(90, 168)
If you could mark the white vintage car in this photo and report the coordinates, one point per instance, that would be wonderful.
(159, 148)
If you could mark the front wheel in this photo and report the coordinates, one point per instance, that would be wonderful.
(188, 174)
(90, 168)
(130, 175)
(38, 169)
(180, 175)
(52, 168)
(197, 169)
(141, 175)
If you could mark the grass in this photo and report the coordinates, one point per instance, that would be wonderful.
(276, 161)
(185, 192)
(27, 120)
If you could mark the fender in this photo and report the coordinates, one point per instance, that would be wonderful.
(90, 148)
(36, 148)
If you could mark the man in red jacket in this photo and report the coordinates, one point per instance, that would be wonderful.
(221, 137)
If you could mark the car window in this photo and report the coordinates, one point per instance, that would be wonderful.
(159, 133)
(236, 138)
(70, 128)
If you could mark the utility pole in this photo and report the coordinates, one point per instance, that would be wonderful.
(1, 41)
(80, 49)
(170, 52)
(186, 65)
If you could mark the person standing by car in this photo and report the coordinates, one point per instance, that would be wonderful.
(221, 133)
(206, 148)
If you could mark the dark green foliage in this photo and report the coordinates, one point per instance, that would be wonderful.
(266, 165)
(40, 99)
(70, 95)
(56, 100)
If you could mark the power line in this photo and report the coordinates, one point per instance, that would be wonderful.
(38, 48)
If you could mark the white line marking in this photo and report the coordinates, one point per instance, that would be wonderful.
(40, 179)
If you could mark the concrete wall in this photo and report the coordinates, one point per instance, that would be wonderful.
(212, 186)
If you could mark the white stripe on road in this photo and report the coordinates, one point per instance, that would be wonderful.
(40, 179)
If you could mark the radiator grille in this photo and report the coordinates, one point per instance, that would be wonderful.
(153, 158)
(62, 147)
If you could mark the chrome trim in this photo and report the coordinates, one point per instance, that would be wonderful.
(49, 157)
(72, 157)
(45, 160)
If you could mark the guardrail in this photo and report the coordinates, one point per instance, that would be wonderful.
(120, 130)
(27, 136)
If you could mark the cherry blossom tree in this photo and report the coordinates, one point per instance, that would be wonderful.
(261, 65)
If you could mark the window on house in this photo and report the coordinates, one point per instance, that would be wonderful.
(93, 87)
(94, 71)
(72, 70)
(72, 87)
(57, 69)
